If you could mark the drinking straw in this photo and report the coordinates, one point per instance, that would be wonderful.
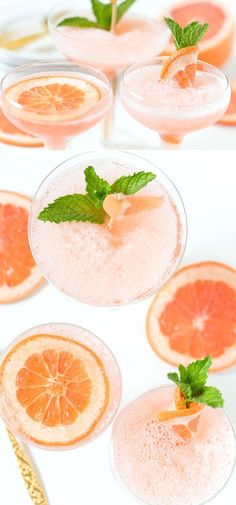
(30, 478)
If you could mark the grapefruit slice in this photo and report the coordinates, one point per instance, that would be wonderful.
(55, 387)
(194, 315)
(181, 67)
(216, 45)
(10, 134)
(185, 431)
(19, 275)
(50, 95)
(229, 118)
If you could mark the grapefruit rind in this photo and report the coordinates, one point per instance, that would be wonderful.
(217, 49)
(14, 413)
(159, 342)
(35, 280)
(181, 66)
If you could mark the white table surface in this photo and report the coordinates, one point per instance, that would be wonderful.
(207, 183)
(214, 137)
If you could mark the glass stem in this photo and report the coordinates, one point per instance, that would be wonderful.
(55, 143)
(171, 141)
(110, 116)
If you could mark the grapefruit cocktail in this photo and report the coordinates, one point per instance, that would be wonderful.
(108, 36)
(60, 386)
(176, 95)
(169, 451)
(55, 101)
(114, 221)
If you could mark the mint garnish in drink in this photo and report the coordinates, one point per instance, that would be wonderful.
(190, 35)
(90, 207)
(103, 14)
(191, 381)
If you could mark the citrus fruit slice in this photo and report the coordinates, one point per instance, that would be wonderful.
(56, 388)
(216, 45)
(194, 315)
(19, 275)
(50, 95)
(10, 134)
(229, 118)
(181, 67)
(193, 411)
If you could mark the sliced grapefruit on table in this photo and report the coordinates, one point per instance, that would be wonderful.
(181, 67)
(53, 95)
(58, 389)
(194, 315)
(10, 134)
(19, 275)
(217, 43)
(229, 118)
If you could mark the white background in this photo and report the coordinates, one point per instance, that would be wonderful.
(138, 136)
(207, 183)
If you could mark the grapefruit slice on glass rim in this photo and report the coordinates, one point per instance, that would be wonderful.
(19, 275)
(217, 43)
(181, 67)
(229, 118)
(10, 134)
(194, 315)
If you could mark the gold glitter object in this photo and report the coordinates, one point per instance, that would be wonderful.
(29, 476)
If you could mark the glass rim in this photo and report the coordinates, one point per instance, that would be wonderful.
(75, 68)
(88, 439)
(121, 482)
(113, 155)
(53, 11)
(159, 60)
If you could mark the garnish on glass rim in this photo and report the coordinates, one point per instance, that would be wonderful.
(97, 205)
(182, 65)
(192, 393)
(107, 15)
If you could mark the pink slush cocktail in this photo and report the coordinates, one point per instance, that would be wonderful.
(103, 264)
(171, 111)
(140, 33)
(55, 101)
(160, 467)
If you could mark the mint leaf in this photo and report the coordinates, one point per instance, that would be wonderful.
(102, 12)
(72, 208)
(196, 373)
(190, 35)
(123, 7)
(128, 185)
(176, 31)
(79, 22)
(96, 187)
(185, 388)
(210, 396)
(191, 381)
(193, 33)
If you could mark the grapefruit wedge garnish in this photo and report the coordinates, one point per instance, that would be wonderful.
(10, 134)
(19, 275)
(216, 45)
(229, 118)
(181, 67)
(59, 388)
(194, 315)
(126, 213)
(52, 95)
(181, 410)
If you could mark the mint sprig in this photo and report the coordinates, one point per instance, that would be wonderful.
(192, 379)
(190, 35)
(103, 15)
(89, 207)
